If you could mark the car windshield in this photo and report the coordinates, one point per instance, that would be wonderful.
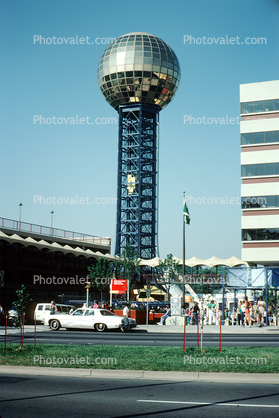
(106, 313)
(87, 313)
(78, 312)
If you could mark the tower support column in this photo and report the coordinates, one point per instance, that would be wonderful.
(137, 205)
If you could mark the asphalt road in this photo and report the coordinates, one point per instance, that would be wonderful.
(35, 396)
(141, 337)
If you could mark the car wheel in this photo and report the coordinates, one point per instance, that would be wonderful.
(55, 325)
(100, 327)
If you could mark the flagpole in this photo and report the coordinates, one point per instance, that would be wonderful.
(183, 270)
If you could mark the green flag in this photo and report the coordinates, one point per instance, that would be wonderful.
(186, 214)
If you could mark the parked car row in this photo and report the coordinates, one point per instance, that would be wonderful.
(155, 305)
(141, 305)
(98, 319)
(119, 304)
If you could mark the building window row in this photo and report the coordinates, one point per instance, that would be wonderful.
(270, 234)
(259, 106)
(253, 202)
(266, 169)
(259, 137)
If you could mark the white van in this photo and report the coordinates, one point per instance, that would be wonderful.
(43, 309)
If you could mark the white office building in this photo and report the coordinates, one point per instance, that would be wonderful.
(259, 129)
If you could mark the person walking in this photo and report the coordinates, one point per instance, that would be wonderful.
(212, 312)
(248, 316)
(126, 310)
(53, 309)
(238, 315)
(261, 311)
(196, 310)
(242, 309)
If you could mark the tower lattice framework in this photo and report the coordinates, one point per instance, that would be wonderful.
(137, 179)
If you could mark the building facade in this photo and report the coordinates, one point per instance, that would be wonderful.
(259, 131)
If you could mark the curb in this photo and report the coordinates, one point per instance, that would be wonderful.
(269, 378)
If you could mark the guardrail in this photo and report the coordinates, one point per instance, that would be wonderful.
(52, 232)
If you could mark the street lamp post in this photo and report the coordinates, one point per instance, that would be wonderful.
(148, 294)
(183, 251)
(20, 215)
(87, 287)
(51, 221)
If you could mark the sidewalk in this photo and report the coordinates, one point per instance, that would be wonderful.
(144, 374)
(27, 328)
(210, 329)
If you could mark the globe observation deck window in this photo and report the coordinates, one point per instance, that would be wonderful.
(144, 69)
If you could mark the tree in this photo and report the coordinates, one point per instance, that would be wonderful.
(23, 300)
(100, 273)
(270, 298)
(170, 271)
(127, 267)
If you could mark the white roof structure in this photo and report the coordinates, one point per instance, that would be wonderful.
(66, 249)
(153, 262)
(194, 261)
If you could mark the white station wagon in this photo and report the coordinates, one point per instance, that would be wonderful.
(42, 310)
(88, 318)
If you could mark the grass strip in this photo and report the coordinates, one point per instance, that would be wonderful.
(231, 359)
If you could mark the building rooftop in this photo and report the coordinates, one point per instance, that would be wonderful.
(51, 235)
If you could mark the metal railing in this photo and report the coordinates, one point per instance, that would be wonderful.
(52, 232)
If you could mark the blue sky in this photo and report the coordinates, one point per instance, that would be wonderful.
(47, 161)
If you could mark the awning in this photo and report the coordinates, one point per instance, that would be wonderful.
(194, 261)
(153, 289)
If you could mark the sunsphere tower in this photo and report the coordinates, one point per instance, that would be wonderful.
(138, 75)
